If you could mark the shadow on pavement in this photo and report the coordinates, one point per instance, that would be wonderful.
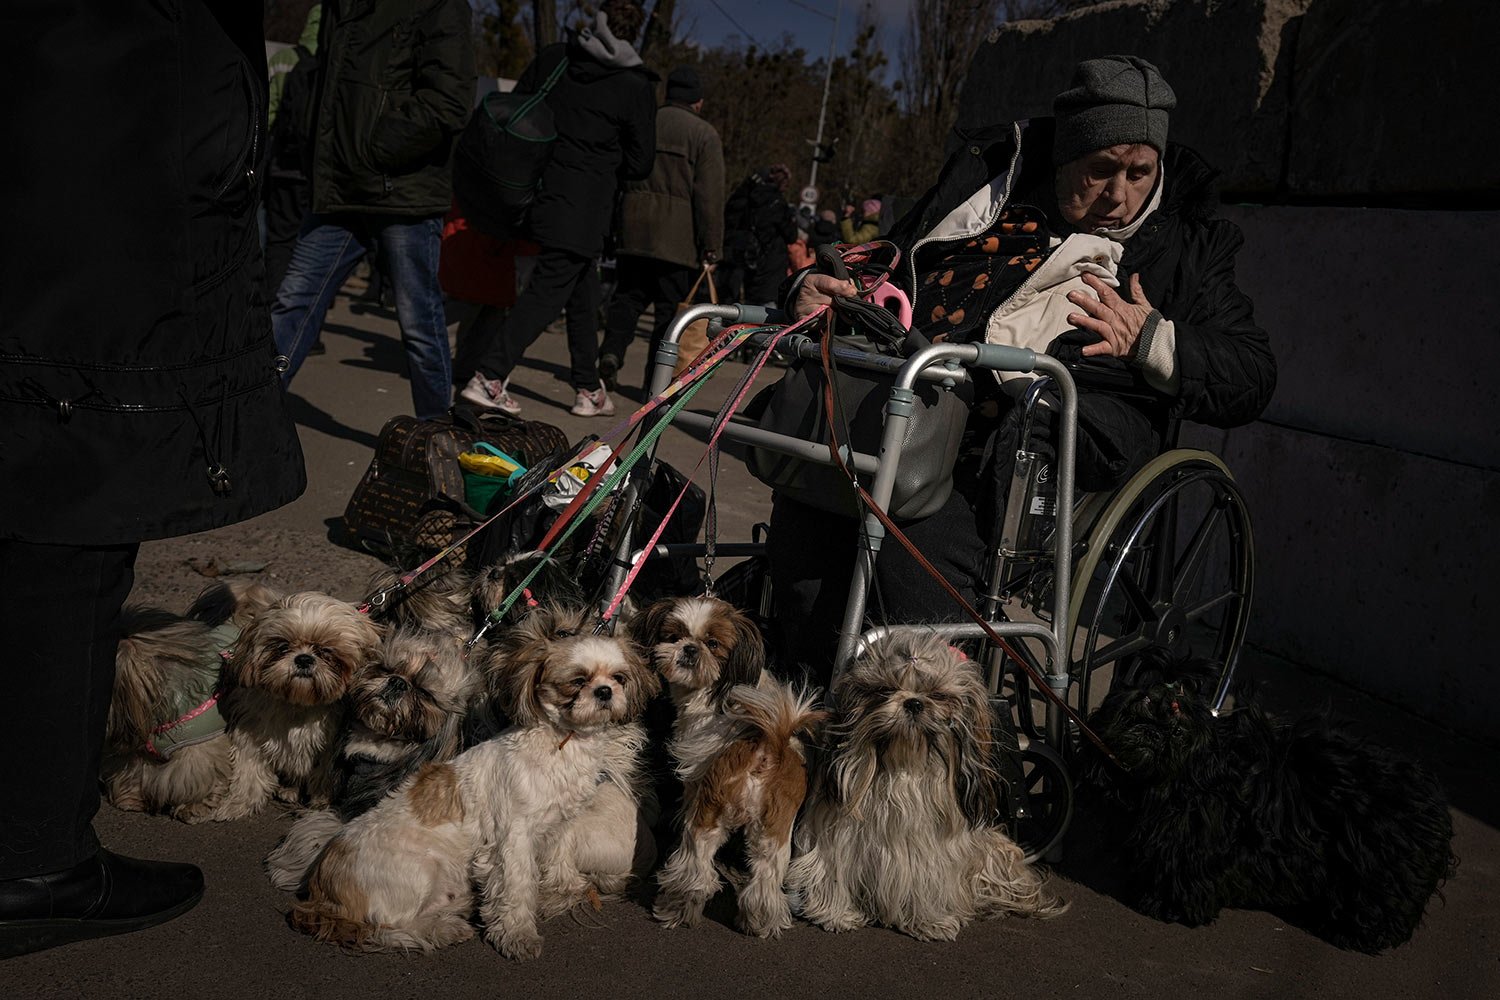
(312, 417)
(382, 352)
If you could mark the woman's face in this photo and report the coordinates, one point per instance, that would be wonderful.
(1105, 189)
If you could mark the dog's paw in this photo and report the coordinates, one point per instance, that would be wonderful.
(765, 924)
(945, 929)
(195, 812)
(839, 923)
(519, 945)
(678, 911)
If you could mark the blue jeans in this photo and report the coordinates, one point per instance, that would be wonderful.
(327, 249)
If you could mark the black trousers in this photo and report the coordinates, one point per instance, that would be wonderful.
(812, 552)
(60, 615)
(642, 282)
(560, 279)
(812, 562)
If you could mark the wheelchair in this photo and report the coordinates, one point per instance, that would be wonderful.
(1078, 586)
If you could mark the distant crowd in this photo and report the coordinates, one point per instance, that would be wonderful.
(362, 151)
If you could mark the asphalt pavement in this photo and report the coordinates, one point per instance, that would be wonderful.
(236, 943)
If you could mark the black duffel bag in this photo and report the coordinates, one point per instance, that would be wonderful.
(497, 167)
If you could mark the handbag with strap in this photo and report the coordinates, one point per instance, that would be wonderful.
(795, 406)
(412, 499)
(498, 164)
(695, 338)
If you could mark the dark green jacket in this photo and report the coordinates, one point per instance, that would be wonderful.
(397, 86)
(677, 214)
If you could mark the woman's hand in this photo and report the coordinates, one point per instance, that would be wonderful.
(820, 290)
(1111, 317)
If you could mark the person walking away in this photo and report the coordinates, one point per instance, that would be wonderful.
(139, 396)
(759, 224)
(396, 82)
(671, 224)
(604, 108)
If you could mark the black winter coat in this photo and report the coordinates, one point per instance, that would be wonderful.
(1184, 255)
(606, 133)
(758, 225)
(139, 396)
(396, 85)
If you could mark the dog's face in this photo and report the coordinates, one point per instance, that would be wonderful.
(701, 642)
(1157, 725)
(908, 699)
(304, 649)
(549, 670)
(417, 684)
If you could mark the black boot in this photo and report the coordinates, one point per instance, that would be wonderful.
(107, 894)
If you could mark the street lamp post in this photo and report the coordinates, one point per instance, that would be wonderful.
(812, 180)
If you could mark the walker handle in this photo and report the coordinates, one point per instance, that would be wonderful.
(1003, 358)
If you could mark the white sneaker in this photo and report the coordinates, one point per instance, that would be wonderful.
(593, 403)
(490, 394)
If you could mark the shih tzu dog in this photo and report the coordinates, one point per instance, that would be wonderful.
(1336, 834)
(437, 601)
(736, 745)
(165, 748)
(402, 876)
(554, 585)
(283, 699)
(900, 827)
(405, 709)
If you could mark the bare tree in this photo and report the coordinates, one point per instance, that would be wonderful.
(543, 23)
(660, 25)
(941, 38)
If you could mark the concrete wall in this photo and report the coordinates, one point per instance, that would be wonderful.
(1228, 63)
(1350, 100)
(1374, 477)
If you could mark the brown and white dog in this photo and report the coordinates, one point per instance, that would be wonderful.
(736, 745)
(402, 875)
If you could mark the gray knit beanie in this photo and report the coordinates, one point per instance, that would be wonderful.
(1114, 99)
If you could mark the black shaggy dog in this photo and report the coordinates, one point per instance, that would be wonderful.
(1333, 833)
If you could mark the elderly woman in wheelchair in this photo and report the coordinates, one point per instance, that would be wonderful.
(1090, 238)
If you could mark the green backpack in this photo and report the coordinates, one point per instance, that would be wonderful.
(497, 168)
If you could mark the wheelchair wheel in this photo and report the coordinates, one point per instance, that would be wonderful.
(1169, 564)
(1044, 805)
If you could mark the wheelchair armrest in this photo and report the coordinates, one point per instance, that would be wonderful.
(1113, 379)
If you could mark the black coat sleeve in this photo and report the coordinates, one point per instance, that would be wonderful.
(1224, 359)
(638, 135)
(412, 125)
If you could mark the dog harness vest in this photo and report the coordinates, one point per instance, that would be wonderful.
(194, 708)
